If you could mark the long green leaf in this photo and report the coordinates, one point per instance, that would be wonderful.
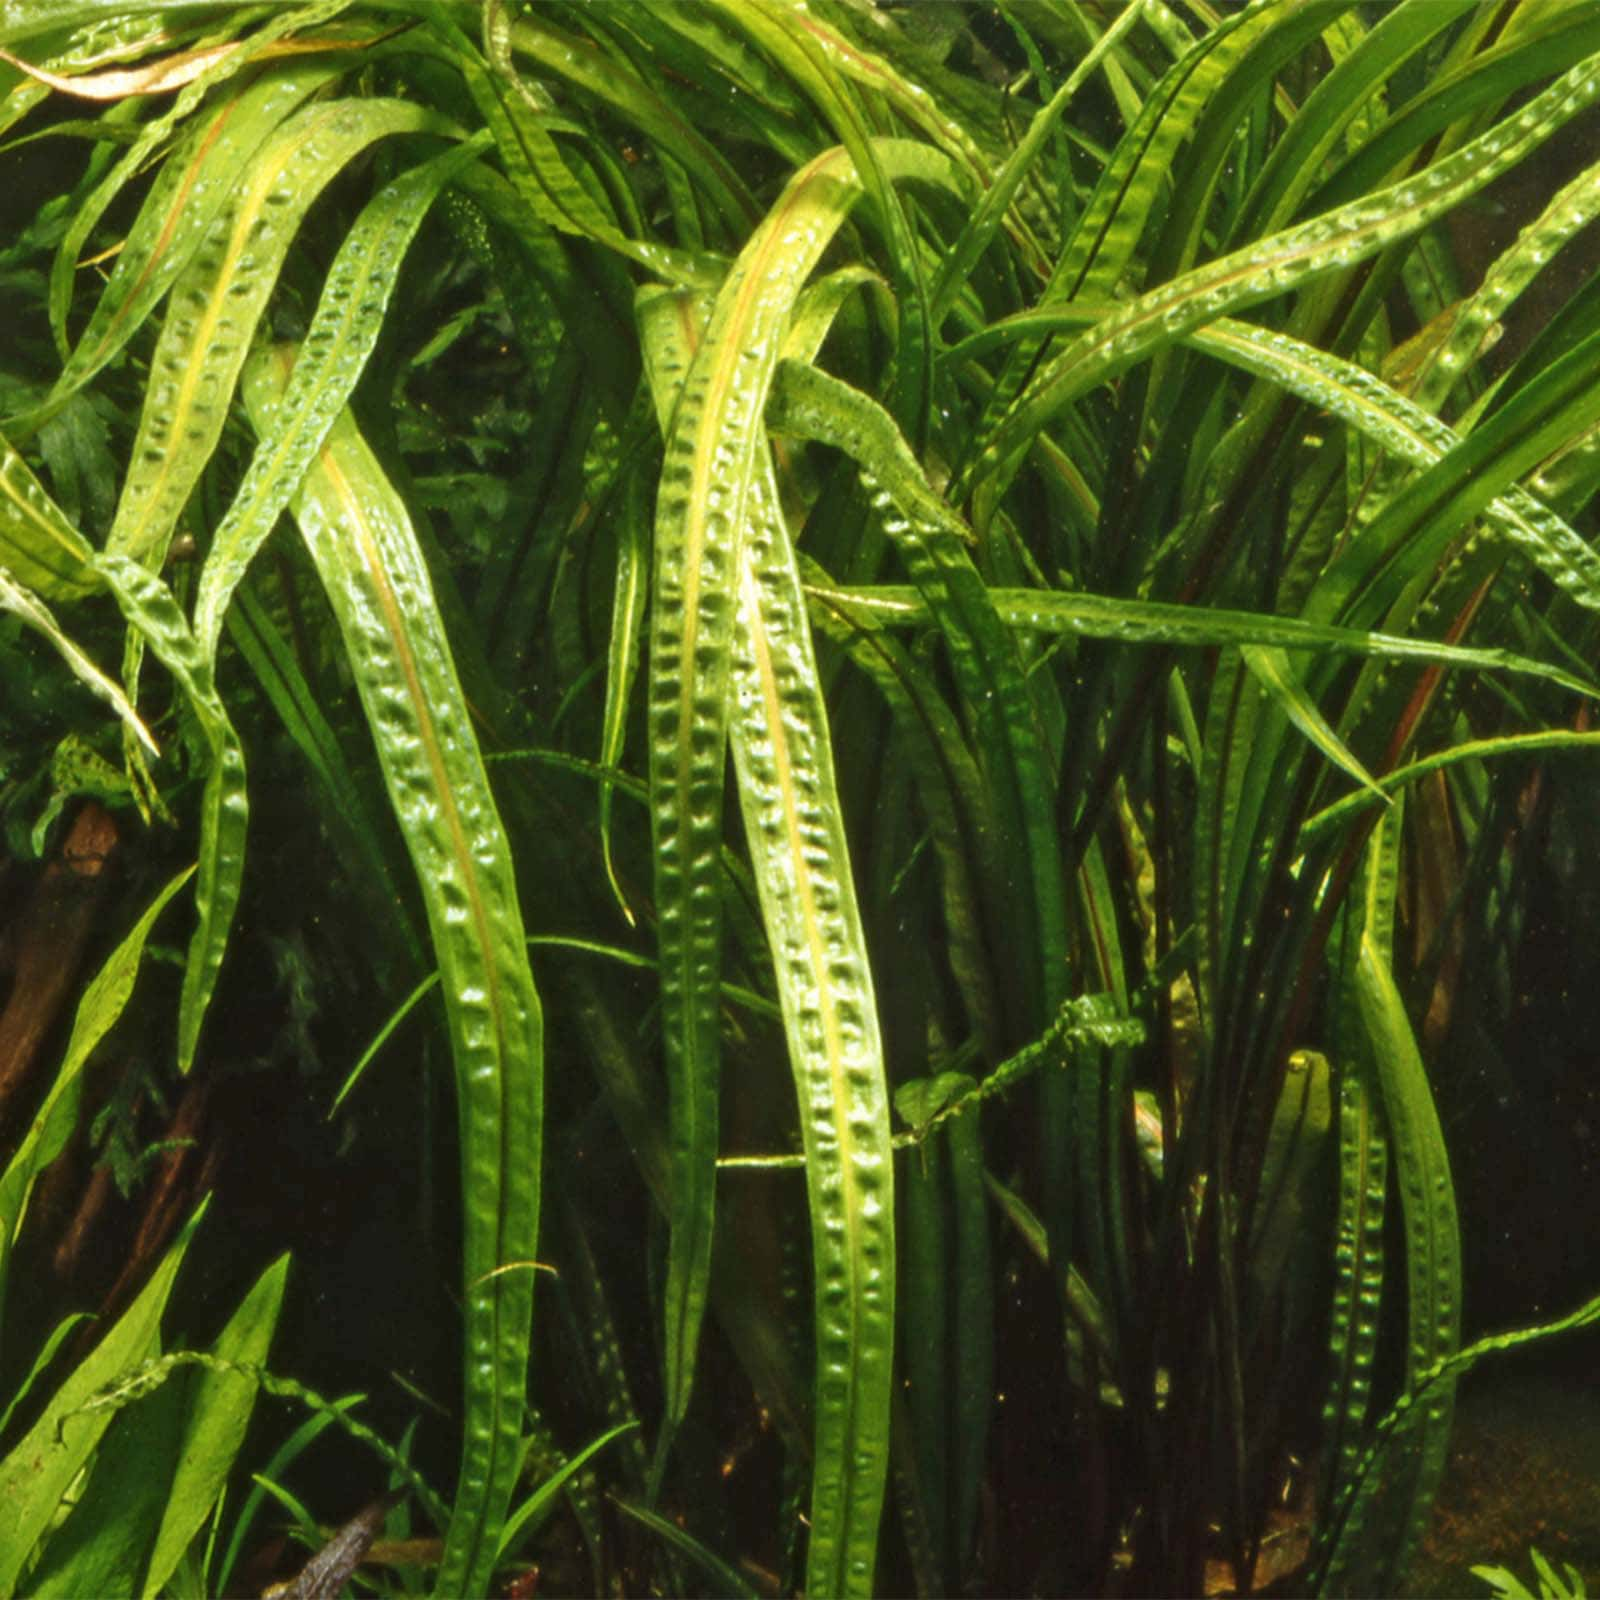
(189, 191)
(984, 656)
(925, 1329)
(1130, 184)
(724, 1579)
(1353, 1323)
(1376, 1535)
(544, 1496)
(636, 98)
(361, 538)
(1273, 266)
(157, 1474)
(218, 300)
(700, 517)
(1391, 1432)
(1471, 750)
(793, 820)
(629, 604)
(1398, 424)
(986, 219)
(1270, 668)
(149, 607)
(216, 1410)
(343, 332)
(823, 63)
(1410, 533)
(538, 171)
(1155, 622)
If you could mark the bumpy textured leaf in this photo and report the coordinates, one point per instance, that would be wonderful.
(188, 194)
(1561, 403)
(1108, 230)
(1064, 726)
(792, 818)
(1399, 424)
(217, 302)
(714, 494)
(1472, 324)
(701, 510)
(343, 332)
(1384, 1514)
(1358, 1287)
(541, 176)
(361, 538)
(1391, 1432)
(823, 64)
(149, 607)
(1272, 266)
(1155, 622)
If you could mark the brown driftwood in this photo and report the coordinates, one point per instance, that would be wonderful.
(47, 941)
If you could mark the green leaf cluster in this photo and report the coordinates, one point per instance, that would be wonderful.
(988, 563)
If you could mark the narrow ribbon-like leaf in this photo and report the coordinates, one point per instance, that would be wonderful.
(700, 516)
(190, 189)
(1270, 668)
(1515, 744)
(217, 303)
(148, 605)
(348, 320)
(33, 611)
(1397, 424)
(986, 219)
(1284, 261)
(984, 656)
(1155, 622)
(1358, 1285)
(361, 538)
(535, 165)
(1379, 1524)
(629, 598)
(796, 831)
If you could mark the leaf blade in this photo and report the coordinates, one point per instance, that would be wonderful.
(361, 539)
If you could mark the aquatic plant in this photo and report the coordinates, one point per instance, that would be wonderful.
(1506, 1585)
(1126, 519)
